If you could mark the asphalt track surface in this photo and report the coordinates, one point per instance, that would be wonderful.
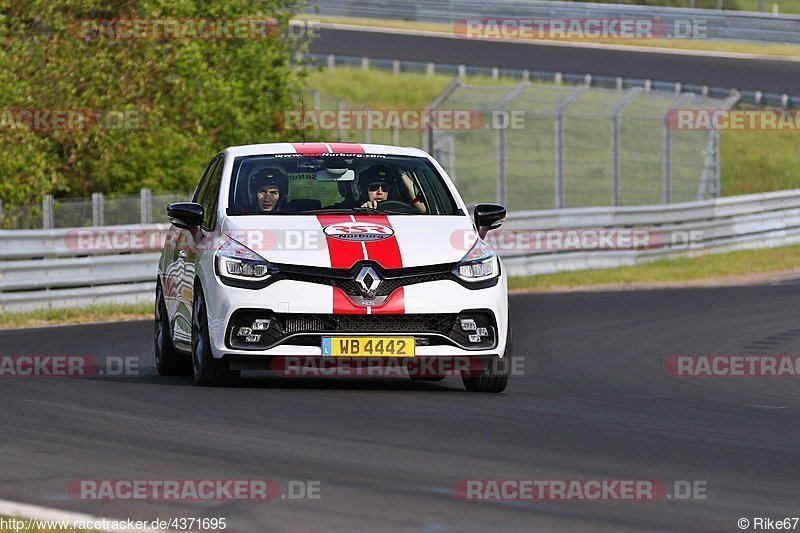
(594, 403)
(778, 76)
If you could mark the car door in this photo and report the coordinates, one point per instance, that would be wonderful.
(201, 238)
(185, 246)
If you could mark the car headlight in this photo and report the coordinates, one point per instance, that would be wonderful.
(479, 264)
(237, 261)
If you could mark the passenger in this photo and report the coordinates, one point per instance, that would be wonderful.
(379, 183)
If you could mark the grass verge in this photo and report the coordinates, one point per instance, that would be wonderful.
(731, 267)
(701, 45)
(78, 315)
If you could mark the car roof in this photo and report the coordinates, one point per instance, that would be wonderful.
(321, 148)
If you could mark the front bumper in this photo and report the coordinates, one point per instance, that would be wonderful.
(430, 313)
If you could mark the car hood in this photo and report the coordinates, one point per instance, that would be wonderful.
(340, 241)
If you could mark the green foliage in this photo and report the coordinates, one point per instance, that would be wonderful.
(192, 97)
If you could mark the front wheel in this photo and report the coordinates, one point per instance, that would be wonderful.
(208, 371)
(495, 378)
(169, 362)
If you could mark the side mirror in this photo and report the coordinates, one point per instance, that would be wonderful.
(185, 215)
(489, 217)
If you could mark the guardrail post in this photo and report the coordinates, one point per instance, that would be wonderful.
(98, 211)
(146, 206)
(47, 212)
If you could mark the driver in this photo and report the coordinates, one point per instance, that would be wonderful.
(379, 181)
(270, 187)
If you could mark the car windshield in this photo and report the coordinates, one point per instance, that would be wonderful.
(295, 184)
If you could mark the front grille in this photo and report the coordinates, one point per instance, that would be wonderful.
(387, 286)
(303, 323)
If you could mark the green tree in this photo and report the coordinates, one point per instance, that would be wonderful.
(193, 96)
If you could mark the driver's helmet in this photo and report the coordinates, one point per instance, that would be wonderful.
(377, 174)
(269, 176)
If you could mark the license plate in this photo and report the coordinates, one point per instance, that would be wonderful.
(368, 346)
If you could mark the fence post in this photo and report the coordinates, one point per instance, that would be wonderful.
(98, 212)
(501, 107)
(146, 206)
(666, 163)
(430, 109)
(430, 69)
(364, 63)
(367, 128)
(500, 191)
(340, 106)
(615, 112)
(47, 212)
(1, 213)
(315, 103)
(558, 142)
(331, 62)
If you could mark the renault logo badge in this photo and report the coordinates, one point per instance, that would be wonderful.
(368, 282)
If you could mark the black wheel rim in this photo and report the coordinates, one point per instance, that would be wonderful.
(159, 327)
(198, 337)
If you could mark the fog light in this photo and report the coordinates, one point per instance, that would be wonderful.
(261, 324)
(474, 338)
(483, 332)
(253, 338)
(468, 324)
(244, 332)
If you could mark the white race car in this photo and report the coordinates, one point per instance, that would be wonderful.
(331, 252)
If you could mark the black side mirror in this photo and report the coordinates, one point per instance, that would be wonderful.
(185, 215)
(489, 217)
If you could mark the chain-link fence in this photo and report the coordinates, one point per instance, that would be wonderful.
(52, 213)
(545, 146)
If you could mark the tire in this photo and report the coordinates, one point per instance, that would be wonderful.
(169, 362)
(495, 378)
(208, 372)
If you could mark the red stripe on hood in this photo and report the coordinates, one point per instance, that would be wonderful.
(386, 252)
(343, 254)
(311, 148)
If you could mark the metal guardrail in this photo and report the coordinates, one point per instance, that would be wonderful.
(717, 25)
(43, 269)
